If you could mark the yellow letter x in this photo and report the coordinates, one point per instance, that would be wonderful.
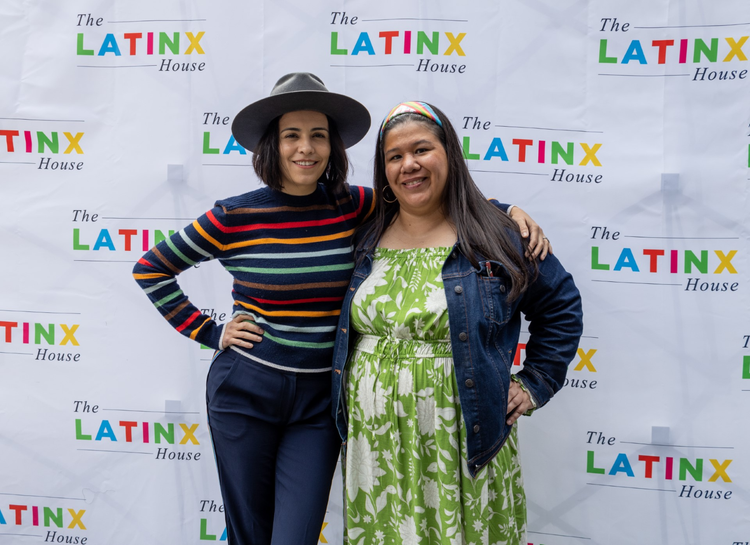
(194, 45)
(736, 49)
(189, 434)
(721, 471)
(455, 41)
(74, 143)
(586, 360)
(76, 518)
(590, 154)
(725, 262)
(69, 334)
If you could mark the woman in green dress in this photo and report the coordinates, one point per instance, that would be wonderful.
(425, 400)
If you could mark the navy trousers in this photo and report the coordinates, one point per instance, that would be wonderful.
(276, 448)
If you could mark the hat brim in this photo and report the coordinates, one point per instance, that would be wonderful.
(351, 117)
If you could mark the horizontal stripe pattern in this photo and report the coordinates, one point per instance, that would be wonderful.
(294, 270)
(291, 259)
(277, 287)
(294, 255)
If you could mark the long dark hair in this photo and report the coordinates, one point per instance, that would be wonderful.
(267, 161)
(483, 230)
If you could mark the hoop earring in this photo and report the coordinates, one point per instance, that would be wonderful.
(394, 195)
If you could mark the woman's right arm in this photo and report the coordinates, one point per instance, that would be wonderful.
(156, 272)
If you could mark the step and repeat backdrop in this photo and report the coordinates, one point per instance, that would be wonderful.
(623, 127)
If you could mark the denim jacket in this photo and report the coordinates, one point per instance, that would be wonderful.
(484, 330)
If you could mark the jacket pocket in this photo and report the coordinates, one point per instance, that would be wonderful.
(493, 287)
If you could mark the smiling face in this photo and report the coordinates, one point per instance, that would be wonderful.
(416, 167)
(304, 149)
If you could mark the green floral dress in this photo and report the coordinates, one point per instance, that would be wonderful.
(406, 476)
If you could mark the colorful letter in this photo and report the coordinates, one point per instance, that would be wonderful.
(334, 45)
(590, 464)
(466, 143)
(105, 430)
(626, 259)
(622, 465)
(595, 265)
(79, 434)
(363, 44)
(634, 52)
(109, 45)
(207, 149)
(455, 44)
(104, 239)
(603, 59)
(496, 149)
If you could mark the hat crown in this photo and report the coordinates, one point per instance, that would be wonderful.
(298, 81)
(296, 92)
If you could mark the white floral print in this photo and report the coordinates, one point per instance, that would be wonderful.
(364, 469)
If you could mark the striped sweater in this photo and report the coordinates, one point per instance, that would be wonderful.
(291, 259)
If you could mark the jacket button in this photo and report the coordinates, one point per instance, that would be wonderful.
(502, 289)
(469, 383)
(351, 289)
(454, 255)
(458, 289)
(476, 428)
(463, 336)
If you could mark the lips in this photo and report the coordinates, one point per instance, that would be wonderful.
(305, 163)
(413, 183)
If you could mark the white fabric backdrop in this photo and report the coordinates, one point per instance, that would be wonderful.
(648, 441)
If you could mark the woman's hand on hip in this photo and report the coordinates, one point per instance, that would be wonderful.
(518, 402)
(242, 331)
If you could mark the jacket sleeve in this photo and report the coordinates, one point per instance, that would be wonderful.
(501, 205)
(157, 270)
(552, 304)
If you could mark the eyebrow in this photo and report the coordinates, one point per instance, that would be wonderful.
(311, 130)
(417, 143)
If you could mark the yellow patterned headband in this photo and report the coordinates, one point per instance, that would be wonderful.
(421, 108)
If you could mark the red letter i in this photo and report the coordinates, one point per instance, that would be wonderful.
(407, 41)
(673, 262)
(668, 469)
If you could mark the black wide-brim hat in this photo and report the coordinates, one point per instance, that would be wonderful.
(301, 91)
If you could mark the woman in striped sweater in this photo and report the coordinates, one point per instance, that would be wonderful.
(289, 248)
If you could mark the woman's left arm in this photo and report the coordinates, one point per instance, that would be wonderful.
(552, 304)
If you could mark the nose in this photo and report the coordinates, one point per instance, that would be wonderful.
(409, 163)
(305, 145)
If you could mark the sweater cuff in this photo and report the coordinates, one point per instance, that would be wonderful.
(221, 337)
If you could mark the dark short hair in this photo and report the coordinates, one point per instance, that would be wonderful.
(267, 160)
(483, 230)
